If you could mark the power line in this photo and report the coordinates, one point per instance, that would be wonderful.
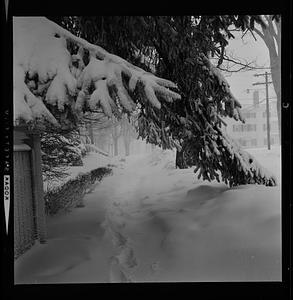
(249, 108)
(249, 99)
(253, 106)
(267, 102)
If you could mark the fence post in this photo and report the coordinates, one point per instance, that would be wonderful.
(38, 188)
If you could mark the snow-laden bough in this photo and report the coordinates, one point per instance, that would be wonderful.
(47, 74)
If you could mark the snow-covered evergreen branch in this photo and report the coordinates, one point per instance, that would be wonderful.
(232, 105)
(44, 70)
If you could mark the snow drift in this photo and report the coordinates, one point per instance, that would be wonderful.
(152, 223)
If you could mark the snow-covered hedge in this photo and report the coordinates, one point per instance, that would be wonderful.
(72, 192)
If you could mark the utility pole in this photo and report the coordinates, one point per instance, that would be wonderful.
(267, 103)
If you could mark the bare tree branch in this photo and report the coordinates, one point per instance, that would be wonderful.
(271, 28)
(267, 18)
(278, 38)
(237, 62)
(234, 65)
(268, 40)
(259, 33)
(228, 69)
(253, 35)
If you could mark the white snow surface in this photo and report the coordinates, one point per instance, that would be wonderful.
(150, 222)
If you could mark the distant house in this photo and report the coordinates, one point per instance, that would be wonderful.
(29, 208)
(254, 132)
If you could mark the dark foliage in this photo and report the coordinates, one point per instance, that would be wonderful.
(70, 195)
(177, 48)
(60, 150)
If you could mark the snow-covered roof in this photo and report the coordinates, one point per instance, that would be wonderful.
(45, 72)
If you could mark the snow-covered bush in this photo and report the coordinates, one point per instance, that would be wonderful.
(70, 194)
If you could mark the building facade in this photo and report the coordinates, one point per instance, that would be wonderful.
(253, 133)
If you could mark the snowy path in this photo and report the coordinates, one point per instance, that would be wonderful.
(151, 222)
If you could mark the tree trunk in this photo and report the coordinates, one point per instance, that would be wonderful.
(127, 147)
(38, 189)
(276, 79)
(115, 143)
(127, 141)
(91, 133)
(272, 39)
(179, 163)
(116, 133)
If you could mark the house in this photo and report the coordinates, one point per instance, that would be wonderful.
(29, 207)
(254, 132)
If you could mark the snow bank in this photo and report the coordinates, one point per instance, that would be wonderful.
(147, 223)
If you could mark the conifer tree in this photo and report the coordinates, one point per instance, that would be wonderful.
(60, 150)
(59, 78)
(183, 110)
(179, 48)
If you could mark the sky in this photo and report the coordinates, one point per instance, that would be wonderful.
(251, 50)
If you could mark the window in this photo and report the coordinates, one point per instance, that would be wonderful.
(266, 141)
(242, 142)
(276, 138)
(250, 127)
(273, 140)
(264, 114)
(274, 125)
(237, 128)
(249, 115)
(245, 127)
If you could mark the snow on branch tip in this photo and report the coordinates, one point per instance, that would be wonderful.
(45, 72)
(232, 105)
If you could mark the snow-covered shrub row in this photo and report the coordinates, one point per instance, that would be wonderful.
(70, 195)
(47, 74)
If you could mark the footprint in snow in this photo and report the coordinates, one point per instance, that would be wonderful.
(116, 275)
(126, 257)
(155, 266)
